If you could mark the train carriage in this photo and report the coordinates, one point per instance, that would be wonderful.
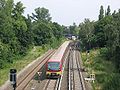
(54, 64)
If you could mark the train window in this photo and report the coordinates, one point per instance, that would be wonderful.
(53, 65)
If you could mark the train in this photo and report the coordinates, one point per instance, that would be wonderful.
(55, 63)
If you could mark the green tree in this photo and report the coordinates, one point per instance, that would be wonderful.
(99, 30)
(7, 34)
(101, 15)
(114, 13)
(72, 29)
(42, 27)
(42, 33)
(86, 33)
(6, 27)
(112, 34)
(20, 28)
(41, 14)
(57, 30)
(108, 11)
(29, 32)
(18, 33)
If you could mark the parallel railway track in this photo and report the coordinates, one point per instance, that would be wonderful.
(22, 82)
(79, 71)
(55, 84)
(24, 77)
(50, 84)
(75, 77)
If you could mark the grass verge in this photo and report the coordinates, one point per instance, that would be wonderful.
(22, 62)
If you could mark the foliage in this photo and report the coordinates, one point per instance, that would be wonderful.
(113, 82)
(101, 15)
(42, 34)
(102, 68)
(71, 30)
(108, 11)
(18, 33)
(86, 35)
(105, 35)
(57, 30)
(21, 61)
(41, 14)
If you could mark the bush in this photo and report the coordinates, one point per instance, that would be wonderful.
(105, 53)
(5, 55)
(113, 83)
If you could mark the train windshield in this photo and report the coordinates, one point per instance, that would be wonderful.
(53, 65)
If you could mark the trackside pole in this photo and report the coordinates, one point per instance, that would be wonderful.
(13, 78)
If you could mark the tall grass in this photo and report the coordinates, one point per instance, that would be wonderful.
(106, 76)
(21, 62)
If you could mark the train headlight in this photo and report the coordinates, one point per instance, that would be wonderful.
(48, 69)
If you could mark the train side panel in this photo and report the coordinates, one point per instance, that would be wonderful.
(54, 64)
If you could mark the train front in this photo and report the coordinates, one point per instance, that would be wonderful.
(53, 69)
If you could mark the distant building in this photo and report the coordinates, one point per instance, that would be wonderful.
(73, 37)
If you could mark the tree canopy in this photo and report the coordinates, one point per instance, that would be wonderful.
(19, 33)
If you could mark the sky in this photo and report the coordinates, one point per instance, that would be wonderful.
(65, 12)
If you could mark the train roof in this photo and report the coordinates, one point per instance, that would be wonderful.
(57, 57)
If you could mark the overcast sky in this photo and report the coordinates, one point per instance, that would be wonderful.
(65, 12)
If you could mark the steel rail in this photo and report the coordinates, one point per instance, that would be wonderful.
(69, 81)
(23, 83)
(80, 73)
(73, 69)
(47, 85)
(58, 85)
(25, 72)
(74, 55)
(71, 72)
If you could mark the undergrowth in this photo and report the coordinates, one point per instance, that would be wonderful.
(106, 77)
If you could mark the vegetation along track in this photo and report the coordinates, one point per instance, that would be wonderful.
(33, 71)
(75, 78)
(24, 77)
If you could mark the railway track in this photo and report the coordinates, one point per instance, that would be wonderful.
(55, 84)
(75, 77)
(50, 84)
(22, 82)
(79, 70)
(24, 76)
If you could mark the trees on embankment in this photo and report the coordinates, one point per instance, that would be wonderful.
(19, 33)
(105, 34)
